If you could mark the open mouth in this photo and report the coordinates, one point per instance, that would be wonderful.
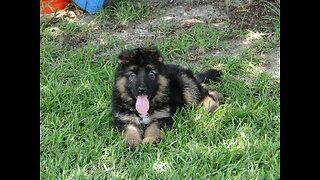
(142, 104)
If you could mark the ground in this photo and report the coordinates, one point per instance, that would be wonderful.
(78, 57)
(183, 16)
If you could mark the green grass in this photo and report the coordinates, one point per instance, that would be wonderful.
(200, 36)
(124, 12)
(241, 140)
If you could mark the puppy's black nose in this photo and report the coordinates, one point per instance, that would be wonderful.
(142, 90)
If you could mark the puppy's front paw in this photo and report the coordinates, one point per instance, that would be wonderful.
(133, 142)
(132, 135)
(153, 139)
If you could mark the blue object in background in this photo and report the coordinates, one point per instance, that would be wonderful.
(92, 6)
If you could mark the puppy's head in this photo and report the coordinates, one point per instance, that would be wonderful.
(141, 68)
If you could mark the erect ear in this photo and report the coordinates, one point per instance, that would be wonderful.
(123, 58)
(126, 55)
(156, 54)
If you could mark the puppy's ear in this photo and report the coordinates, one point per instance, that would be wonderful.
(122, 61)
(155, 53)
(123, 57)
(126, 56)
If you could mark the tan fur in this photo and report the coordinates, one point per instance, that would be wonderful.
(190, 92)
(217, 96)
(209, 104)
(132, 67)
(150, 66)
(163, 85)
(158, 114)
(121, 61)
(152, 134)
(189, 98)
(123, 92)
(132, 135)
(132, 118)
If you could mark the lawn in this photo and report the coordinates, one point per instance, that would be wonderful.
(241, 140)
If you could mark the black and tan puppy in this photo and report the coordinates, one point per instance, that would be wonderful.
(148, 92)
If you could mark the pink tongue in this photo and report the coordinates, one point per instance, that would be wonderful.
(142, 104)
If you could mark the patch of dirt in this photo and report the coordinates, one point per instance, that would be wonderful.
(134, 33)
(202, 12)
(253, 14)
(72, 41)
(272, 65)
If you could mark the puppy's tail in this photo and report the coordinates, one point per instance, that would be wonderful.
(206, 76)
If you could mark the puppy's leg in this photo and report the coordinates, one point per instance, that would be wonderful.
(132, 135)
(152, 133)
(209, 104)
(212, 101)
(217, 96)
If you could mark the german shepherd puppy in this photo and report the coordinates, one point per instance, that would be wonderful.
(147, 91)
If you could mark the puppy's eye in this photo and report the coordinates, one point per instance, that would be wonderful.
(152, 75)
(132, 75)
